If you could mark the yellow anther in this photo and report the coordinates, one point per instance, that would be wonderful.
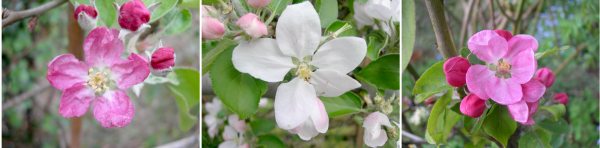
(304, 72)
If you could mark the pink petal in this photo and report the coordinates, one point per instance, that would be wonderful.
(65, 71)
(561, 98)
(477, 77)
(519, 111)
(292, 103)
(522, 66)
(375, 140)
(132, 71)
(102, 47)
(236, 123)
(133, 14)
(455, 69)
(306, 130)
(488, 46)
(472, 106)
(520, 43)
(113, 109)
(319, 117)
(505, 34)
(503, 91)
(545, 75)
(533, 90)
(75, 101)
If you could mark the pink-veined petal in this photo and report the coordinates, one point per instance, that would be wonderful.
(113, 109)
(292, 101)
(522, 66)
(65, 71)
(102, 47)
(533, 90)
(488, 46)
(477, 77)
(75, 101)
(319, 117)
(262, 59)
(130, 72)
(503, 91)
(298, 30)
(519, 111)
(341, 54)
(331, 83)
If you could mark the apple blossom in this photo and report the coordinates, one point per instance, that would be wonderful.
(233, 134)
(320, 73)
(133, 15)
(472, 106)
(212, 28)
(545, 75)
(100, 80)
(561, 98)
(382, 10)
(86, 16)
(455, 70)
(252, 25)
(258, 3)
(374, 134)
(211, 119)
(162, 61)
(523, 110)
(510, 63)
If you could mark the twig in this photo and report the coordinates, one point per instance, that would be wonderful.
(185, 142)
(414, 138)
(491, 7)
(441, 29)
(412, 71)
(9, 17)
(568, 60)
(517, 26)
(504, 12)
(75, 47)
(465, 22)
(29, 94)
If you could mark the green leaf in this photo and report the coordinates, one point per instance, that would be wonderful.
(557, 110)
(328, 11)
(499, 125)
(107, 11)
(335, 26)
(347, 103)
(239, 92)
(270, 141)
(376, 41)
(383, 73)
(538, 137)
(441, 120)
(431, 82)
(180, 22)
(408, 31)
(210, 2)
(262, 126)
(209, 58)
(192, 4)
(278, 5)
(552, 51)
(162, 9)
(87, 2)
(186, 95)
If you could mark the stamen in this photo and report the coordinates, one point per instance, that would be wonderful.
(98, 81)
(304, 72)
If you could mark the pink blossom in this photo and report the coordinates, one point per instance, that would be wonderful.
(88, 10)
(505, 34)
(252, 25)
(545, 75)
(100, 80)
(510, 63)
(212, 28)
(86, 17)
(163, 60)
(523, 110)
(258, 3)
(133, 14)
(472, 106)
(374, 134)
(561, 98)
(455, 70)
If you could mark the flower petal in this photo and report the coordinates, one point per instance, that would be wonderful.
(306, 130)
(75, 101)
(375, 140)
(375, 120)
(298, 30)
(65, 71)
(488, 46)
(519, 111)
(522, 66)
(236, 123)
(520, 43)
(228, 144)
(262, 59)
(319, 117)
(477, 77)
(332, 84)
(360, 15)
(291, 103)
(102, 47)
(379, 9)
(113, 109)
(472, 106)
(129, 72)
(503, 91)
(533, 90)
(229, 133)
(341, 54)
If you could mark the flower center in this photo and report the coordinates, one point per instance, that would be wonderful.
(503, 69)
(304, 71)
(98, 80)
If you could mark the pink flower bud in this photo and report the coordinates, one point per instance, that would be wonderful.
(258, 3)
(212, 28)
(89, 10)
(505, 34)
(163, 59)
(561, 98)
(133, 14)
(472, 106)
(455, 70)
(545, 75)
(252, 25)
(430, 101)
(86, 16)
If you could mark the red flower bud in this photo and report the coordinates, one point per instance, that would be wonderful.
(163, 59)
(472, 106)
(505, 34)
(133, 14)
(545, 75)
(212, 28)
(455, 70)
(561, 98)
(89, 10)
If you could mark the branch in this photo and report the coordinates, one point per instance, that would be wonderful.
(9, 17)
(20, 98)
(441, 29)
(414, 138)
(465, 22)
(569, 58)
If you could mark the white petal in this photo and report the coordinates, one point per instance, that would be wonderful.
(319, 117)
(291, 101)
(379, 9)
(228, 144)
(298, 30)
(229, 133)
(375, 120)
(330, 83)
(341, 54)
(375, 140)
(236, 123)
(213, 107)
(306, 131)
(262, 59)
(360, 15)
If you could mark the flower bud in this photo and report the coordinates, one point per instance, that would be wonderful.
(561, 98)
(455, 70)
(163, 60)
(258, 3)
(133, 14)
(545, 75)
(472, 106)
(212, 28)
(86, 16)
(252, 25)
(505, 34)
